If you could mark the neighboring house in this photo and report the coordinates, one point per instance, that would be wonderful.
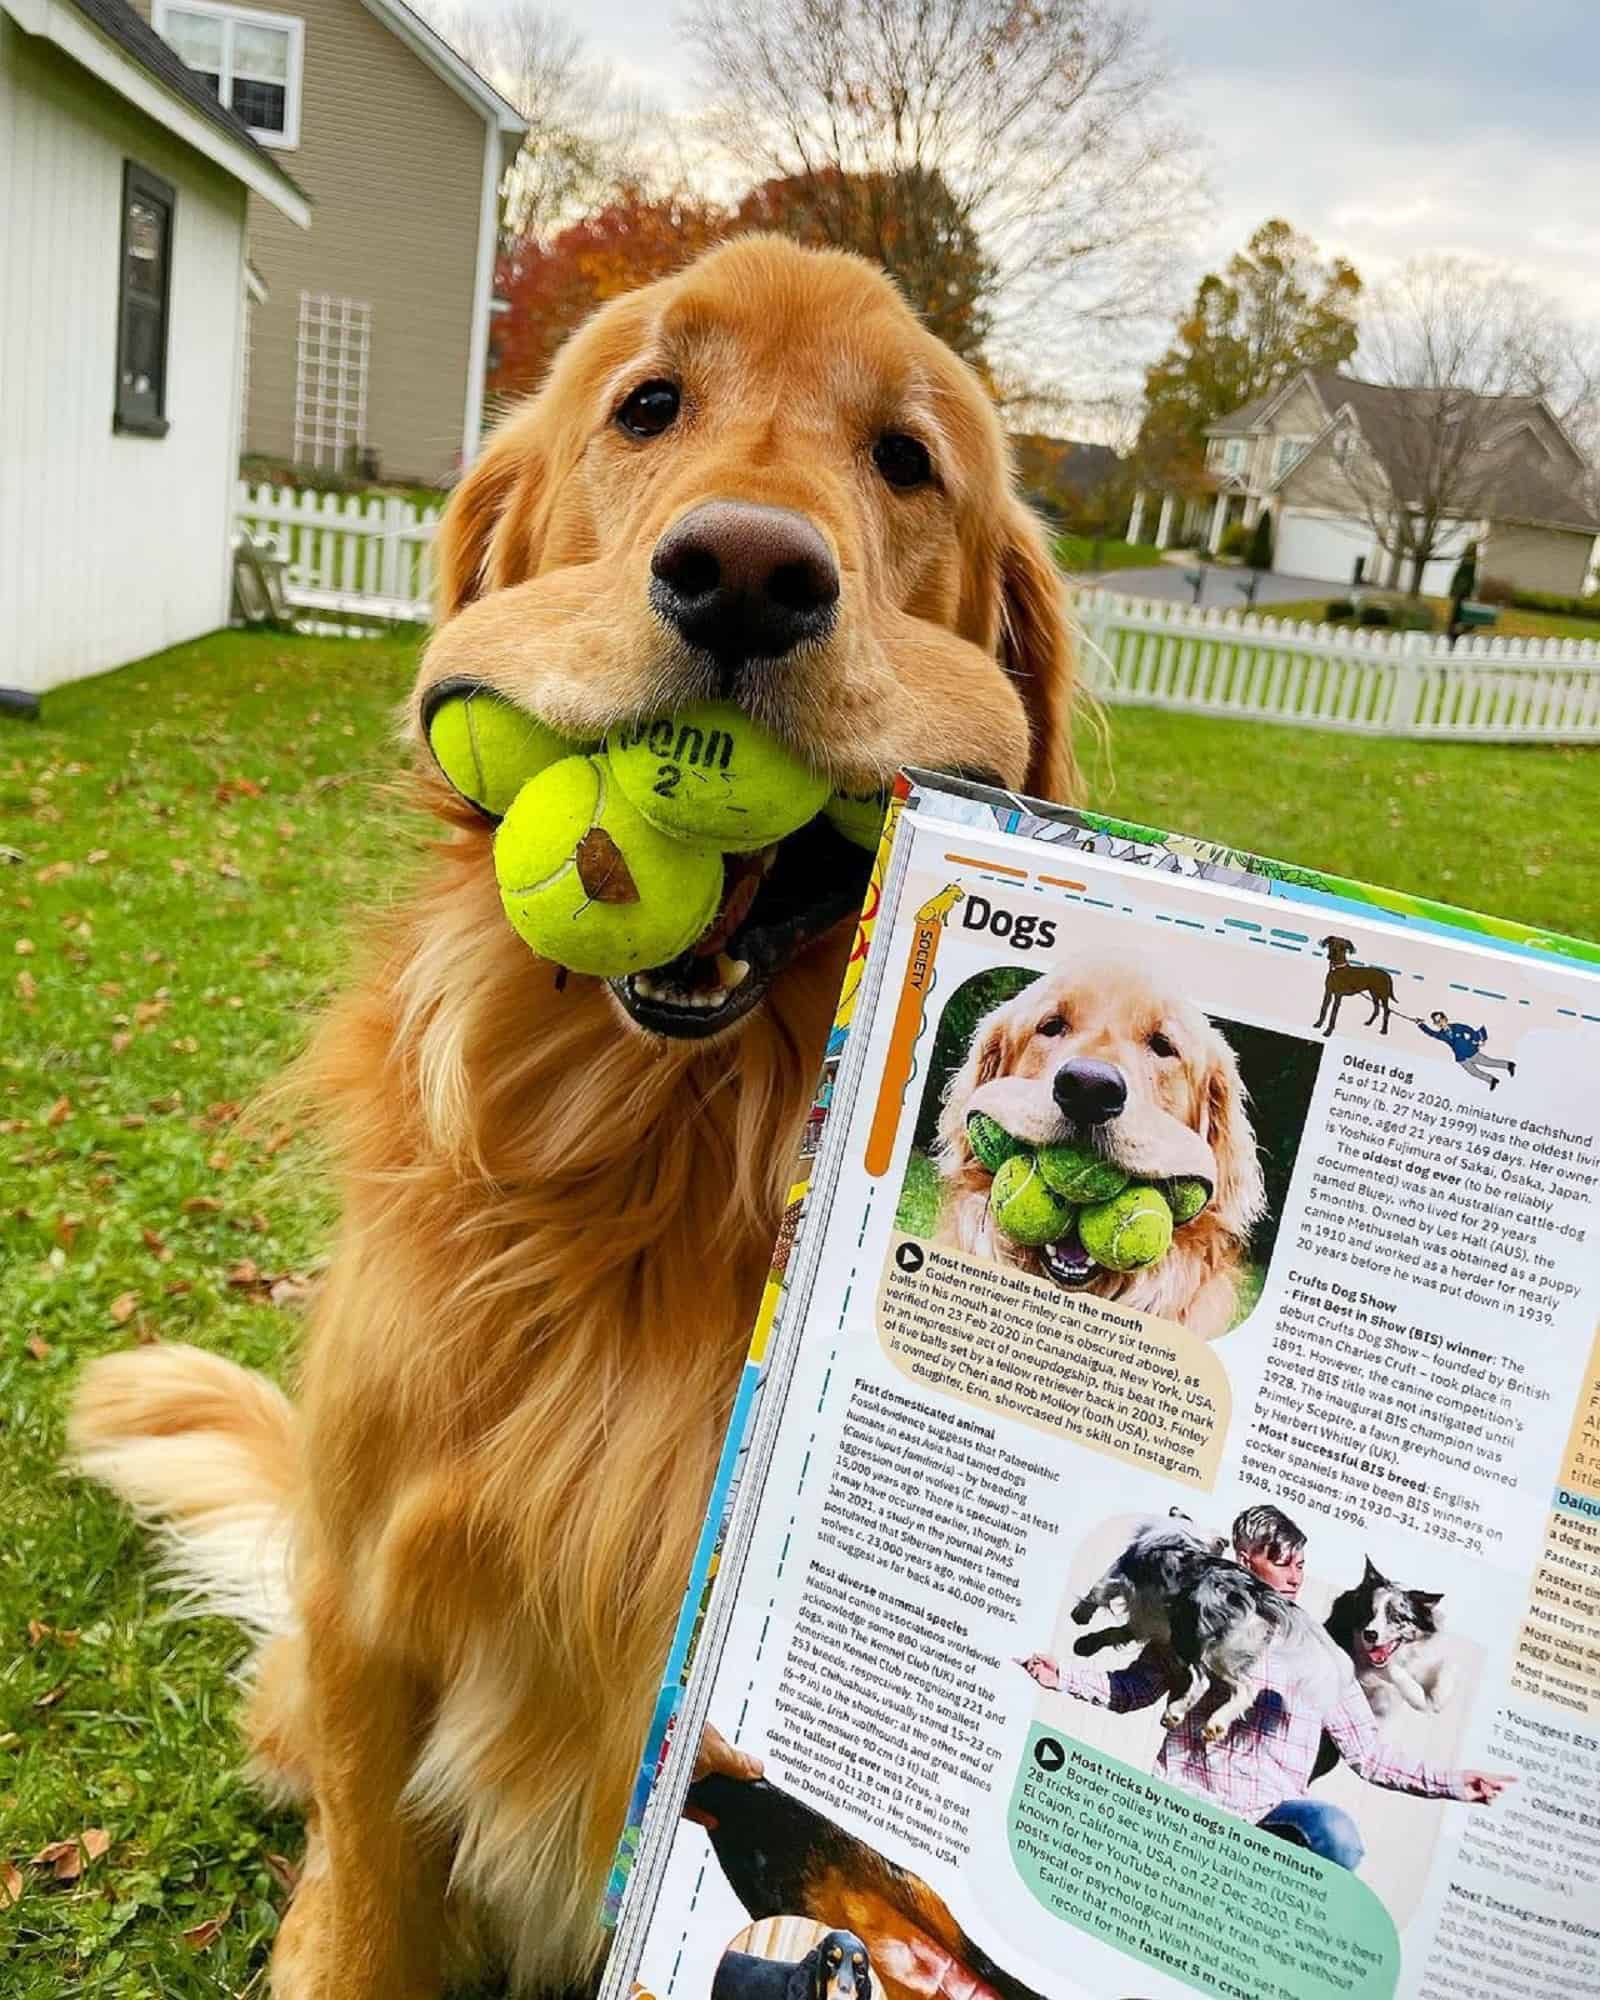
(370, 352)
(1330, 456)
(1062, 474)
(123, 192)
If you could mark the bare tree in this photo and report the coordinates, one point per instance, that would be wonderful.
(1044, 121)
(586, 135)
(1455, 361)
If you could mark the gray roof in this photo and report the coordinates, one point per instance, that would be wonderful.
(1246, 418)
(117, 21)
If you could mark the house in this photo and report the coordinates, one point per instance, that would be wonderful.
(1063, 475)
(1334, 459)
(370, 351)
(124, 188)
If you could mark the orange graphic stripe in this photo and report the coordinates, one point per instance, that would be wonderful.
(902, 1043)
(993, 867)
(1061, 882)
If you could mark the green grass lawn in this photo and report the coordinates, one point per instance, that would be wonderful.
(1076, 554)
(195, 838)
(1510, 623)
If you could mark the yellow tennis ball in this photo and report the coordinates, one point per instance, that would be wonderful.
(588, 883)
(1131, 1230)
(489, 748)
(858, 815)
(710, 774)
(1022, 1204)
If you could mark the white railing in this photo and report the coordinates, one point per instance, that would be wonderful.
(353, 555)
(1160, 655)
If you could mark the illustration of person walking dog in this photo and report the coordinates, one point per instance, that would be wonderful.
(1347, 975)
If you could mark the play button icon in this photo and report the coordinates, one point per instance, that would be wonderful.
(1049, 1753)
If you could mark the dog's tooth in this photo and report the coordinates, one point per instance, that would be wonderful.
(645, 986)
(732, 972)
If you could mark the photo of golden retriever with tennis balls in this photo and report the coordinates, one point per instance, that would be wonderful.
(1117, 1091)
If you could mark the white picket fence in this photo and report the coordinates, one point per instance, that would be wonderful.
(345, 554)
(1160, 655)
(371, 558)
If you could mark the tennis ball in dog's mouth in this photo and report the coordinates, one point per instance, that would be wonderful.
(858, 816)
(1131, 1230)
(488, 748)
(991, 1143)
(588, 883)
(1185, 1195)
(1079, 1173)
(709, 774)
(1027, 1210)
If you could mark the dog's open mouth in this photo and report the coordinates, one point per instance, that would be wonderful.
(774, 904)
(1067, 1262)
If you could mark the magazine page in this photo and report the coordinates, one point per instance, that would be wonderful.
(1169, 1556)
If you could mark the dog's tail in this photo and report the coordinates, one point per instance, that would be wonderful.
(203, 1452)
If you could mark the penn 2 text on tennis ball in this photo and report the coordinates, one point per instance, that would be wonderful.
(710, 774)
(489, 748)
(1127, 1232)
(1079, 1174)
(590, 884)
(1027, 1210)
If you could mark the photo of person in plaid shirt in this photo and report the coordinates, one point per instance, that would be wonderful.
(1261, 1769)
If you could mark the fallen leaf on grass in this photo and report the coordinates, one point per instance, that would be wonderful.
(27, 987)
(121, 1043)
(66, 1230)
(96, 855)
(95, 1841)
(202, 1204)
(198, 1936)
(50, 1697)
(11, 1885)
(59, 1112)
(123, 1307)
(245, 1276)
(285, 1873)
(163, 1105)
(57, 871)
(38, 1348)
(157, 1249)
(292, 1290)
(24, 947)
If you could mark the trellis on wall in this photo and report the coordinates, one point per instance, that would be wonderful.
(333, 350)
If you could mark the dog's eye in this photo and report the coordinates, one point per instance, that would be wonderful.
(649, 409)
(1052, 1024)
(1161, 1045)
(903, 460)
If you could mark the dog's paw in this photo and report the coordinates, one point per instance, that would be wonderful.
(1173, 1719)
(1082, 1613)
(1216, 1729)
(1085, 1645)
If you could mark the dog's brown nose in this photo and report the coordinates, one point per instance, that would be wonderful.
(744, 582)
(1089, 1092)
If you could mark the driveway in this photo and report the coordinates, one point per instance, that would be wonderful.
(1221, 590)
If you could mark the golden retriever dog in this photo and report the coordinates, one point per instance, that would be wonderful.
(1107, 1054)
(464, 1545)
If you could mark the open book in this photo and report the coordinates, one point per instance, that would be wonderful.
(1157, 1548)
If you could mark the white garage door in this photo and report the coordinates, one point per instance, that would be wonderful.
(1324, 546)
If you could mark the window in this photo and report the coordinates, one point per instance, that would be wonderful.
(1284, 454)
(1343, 444)
(332, 349)
(1233, 455)
(251, 60)
(144, 291)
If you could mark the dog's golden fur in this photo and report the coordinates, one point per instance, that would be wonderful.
(476, 1525)
(1186, 1113)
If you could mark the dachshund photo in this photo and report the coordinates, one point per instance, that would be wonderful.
(1111, 1055)
(835, 1968)
(463, 1546)
(781, 1857)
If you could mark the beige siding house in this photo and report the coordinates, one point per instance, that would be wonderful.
(370, 349)
(1335, 460)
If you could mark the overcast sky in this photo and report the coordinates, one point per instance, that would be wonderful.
(1384, 128)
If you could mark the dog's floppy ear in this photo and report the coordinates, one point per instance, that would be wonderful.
(1241, 1192)
(492, 523)
(1036, 646)
(985, 1061)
